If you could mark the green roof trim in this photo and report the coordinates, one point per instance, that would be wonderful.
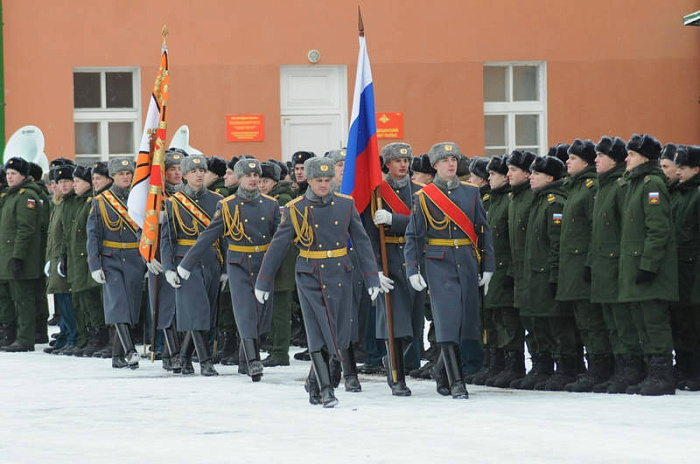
(693, 19)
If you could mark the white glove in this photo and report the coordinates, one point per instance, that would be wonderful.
(172, 278)
(382, 216)
(154, 267)
(385, 283)
(417, 282)
(99, 276)
(484, 281)
(261, 296)
(223, 280)
(47, 268)
(373, 292)
(184, 273)
(60, 270)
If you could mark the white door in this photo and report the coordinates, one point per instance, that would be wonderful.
(313, 108)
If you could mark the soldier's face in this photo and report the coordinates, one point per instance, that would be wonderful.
(230, 179)
(53, 187)
(122, 179)
(14, 177)
(476, 180)
(517, 176)
(99, 181)
(446, 167)
(422, 177)
(321, 186)
(266, 184)
(398, 167)
(603, 163)
(65, 185)
(687, 172)
(539, 179)
(250, 181)
(80, 186)
(299, 172)
(575, 164)
(497, 180)
(195, 178)
(669, 168)
(634, 159)
(173, 175)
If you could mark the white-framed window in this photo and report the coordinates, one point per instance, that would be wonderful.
(515, 107)
(106, 113)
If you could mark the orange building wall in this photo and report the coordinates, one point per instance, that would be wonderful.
(612, 67)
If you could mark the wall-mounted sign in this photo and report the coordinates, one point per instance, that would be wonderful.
(389, 125)
(245, 128)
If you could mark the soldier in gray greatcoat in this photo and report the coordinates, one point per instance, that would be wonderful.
(449, 219)
(189, 212)
(320, 223)
(114, 260)
(248, 220)
(407, 305)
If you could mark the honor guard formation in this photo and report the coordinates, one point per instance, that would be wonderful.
(587, 257)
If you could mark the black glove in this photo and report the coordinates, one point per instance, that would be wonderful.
(587, 274)
(508, 282)
(553, 289)
(644, 277)
(17, 267)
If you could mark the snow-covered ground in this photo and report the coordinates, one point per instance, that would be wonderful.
(56, 409)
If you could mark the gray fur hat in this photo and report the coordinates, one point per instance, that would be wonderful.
(337, 155)
(120, 164)
(246, 166)
(319, 167)
(443, 150)
(192, 162)
(397, 150)
(173, 157)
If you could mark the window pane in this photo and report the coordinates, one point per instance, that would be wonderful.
(525, 83)
(495, 151)
(86, 90)
(87, 160)
(495, 130)
(120, 92)
(526, 129)
(495, 83)
(120, 137)
(87, 138)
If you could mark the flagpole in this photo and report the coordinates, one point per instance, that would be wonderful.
(382, 247)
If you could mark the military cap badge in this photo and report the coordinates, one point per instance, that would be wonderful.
(125, 163)
(323, 168)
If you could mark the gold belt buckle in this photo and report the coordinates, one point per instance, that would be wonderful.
(456, 243)
(257, 248)
(329, 253)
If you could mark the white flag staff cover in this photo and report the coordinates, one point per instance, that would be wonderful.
(146, 197)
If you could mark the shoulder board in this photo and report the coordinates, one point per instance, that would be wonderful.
(2, 195)
(468, 183)
(21, 191)
(296, 200)
(486, 197)
(647, 179)
(230, 197)
(418, 183)
(589, 183)
(551, 197)
(621, 181)
(88, 200)
(342, 195)
(267, 196)
(217, 194)
(510, 194)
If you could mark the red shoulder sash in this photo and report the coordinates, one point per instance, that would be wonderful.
(451, 210)
(392, 199)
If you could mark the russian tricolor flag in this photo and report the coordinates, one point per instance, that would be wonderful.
(362, 173)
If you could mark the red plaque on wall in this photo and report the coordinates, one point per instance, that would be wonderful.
(389, 125)
(245, 128)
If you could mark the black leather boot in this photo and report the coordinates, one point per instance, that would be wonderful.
(598, 372)
(251, 354)
(186, 350)
(124, 337)
(312, 388)
(453, 366)
(352, 383)
(542, 369)
(323, 377)
(7, 335)
(514, 370)
(201, 344)
(398, 388)
(661, 379)
(118, 361)
(172, 346)
(439, 373)
(567, 367)
(496, 364)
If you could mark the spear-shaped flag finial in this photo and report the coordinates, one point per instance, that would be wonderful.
(360, 25)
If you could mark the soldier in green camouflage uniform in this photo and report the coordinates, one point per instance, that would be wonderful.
(648, 262)
(574, 288)
(603, 264)
(21, 260)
